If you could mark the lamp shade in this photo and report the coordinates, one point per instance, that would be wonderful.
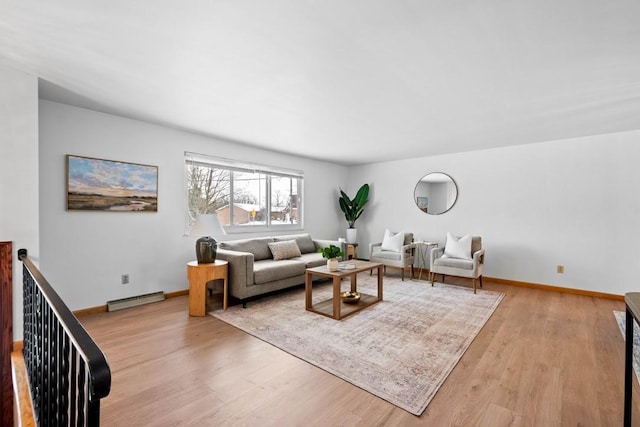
(206, 246)
(206, 225)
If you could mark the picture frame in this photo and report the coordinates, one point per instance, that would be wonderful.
(95, 184)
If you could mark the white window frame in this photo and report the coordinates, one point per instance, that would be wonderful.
(191, 159)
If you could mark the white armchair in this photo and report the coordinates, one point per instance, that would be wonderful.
(453, 263)
(400, 256)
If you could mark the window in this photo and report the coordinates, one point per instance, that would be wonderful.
(244, 196)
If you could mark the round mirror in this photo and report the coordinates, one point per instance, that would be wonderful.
(435, 193)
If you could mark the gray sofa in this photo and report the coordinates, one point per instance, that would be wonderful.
(253, 270)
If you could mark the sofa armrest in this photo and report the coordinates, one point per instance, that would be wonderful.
(478, 257)
(372, 246)
(435, 254)
(240, 274)
(408, 250)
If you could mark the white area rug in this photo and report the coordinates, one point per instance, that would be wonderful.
(400, 349)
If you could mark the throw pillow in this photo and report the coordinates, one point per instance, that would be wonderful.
(458, 247)
(392, 242)
(304, 241)
(284, 250)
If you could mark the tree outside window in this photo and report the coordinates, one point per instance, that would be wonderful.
(207, 190)
(243, 199)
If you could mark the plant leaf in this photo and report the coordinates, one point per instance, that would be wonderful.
(353, 208)
(361, 195)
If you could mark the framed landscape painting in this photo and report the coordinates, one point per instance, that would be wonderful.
(109, 185)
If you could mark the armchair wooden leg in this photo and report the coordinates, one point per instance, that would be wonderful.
(402, 274)
(474, 286)
(480, 281)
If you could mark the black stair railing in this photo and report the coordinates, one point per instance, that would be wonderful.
(68, 373)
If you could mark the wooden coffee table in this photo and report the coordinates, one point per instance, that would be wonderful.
(334, 307)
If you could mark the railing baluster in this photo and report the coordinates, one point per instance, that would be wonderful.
(55, 377)
(62, 386)
(74, 387)
(39, 341)
(81, 398)
(46, 364)
(68, 374)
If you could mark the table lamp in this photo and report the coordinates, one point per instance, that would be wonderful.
(206, 246)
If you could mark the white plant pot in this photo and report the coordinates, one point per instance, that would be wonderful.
(352, 235)
(332, 264)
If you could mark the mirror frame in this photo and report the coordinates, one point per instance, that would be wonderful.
(449, 207)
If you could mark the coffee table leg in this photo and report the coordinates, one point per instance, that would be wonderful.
(336, 298)
(354, 282)
(307, 290)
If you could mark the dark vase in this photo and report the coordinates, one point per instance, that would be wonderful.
(206, 249)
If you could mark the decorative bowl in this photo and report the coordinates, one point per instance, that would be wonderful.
(350, 297)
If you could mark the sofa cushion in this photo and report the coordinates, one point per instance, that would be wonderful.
(268, 270)
(396, 256)
(258, 246)
(313, 259)
(304, 241)
(284, 250)
(454, 262)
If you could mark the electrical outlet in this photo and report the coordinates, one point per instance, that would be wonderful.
(560, 269)
(125, 279)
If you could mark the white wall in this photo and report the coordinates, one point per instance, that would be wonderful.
(565, 202)
(571, 202)
(19, 174)
(85, 253)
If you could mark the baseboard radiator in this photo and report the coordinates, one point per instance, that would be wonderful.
(119, 304)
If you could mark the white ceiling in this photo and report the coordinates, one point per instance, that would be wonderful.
(349, 81)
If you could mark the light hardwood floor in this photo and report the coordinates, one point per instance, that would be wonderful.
(543, 359)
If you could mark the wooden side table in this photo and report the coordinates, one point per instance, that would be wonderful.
(199, 275)
(352, 251)
(423, 252)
